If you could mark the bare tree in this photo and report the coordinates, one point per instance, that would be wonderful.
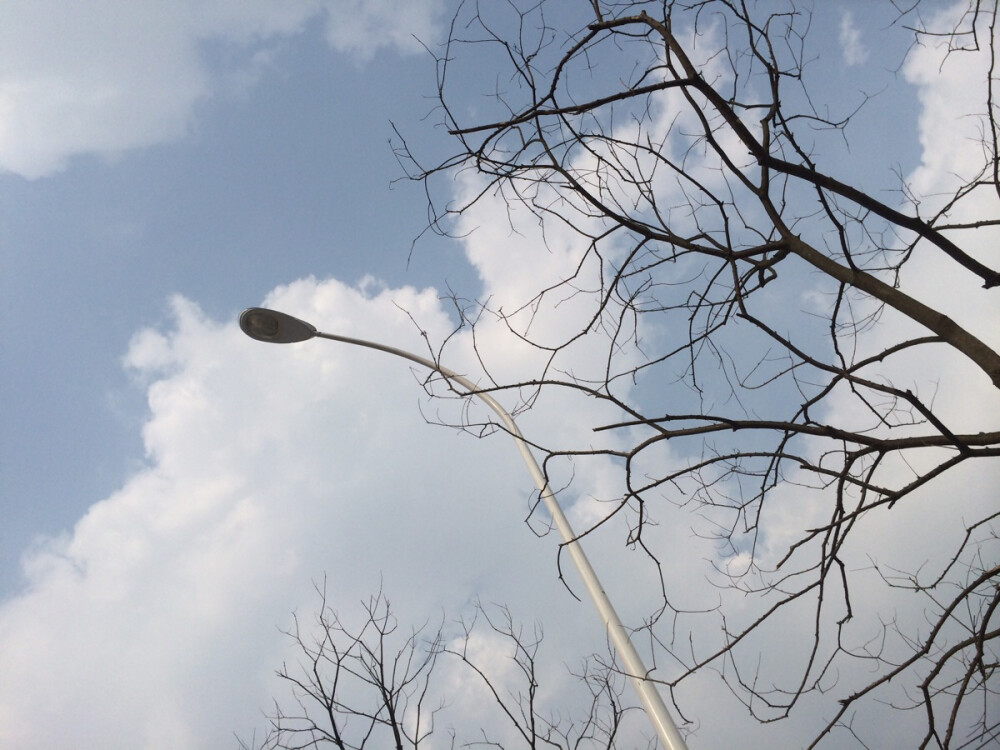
(690, 151)
(599, 717)
(371, 686)
(355, 687)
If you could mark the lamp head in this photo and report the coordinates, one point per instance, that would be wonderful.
(274, 327)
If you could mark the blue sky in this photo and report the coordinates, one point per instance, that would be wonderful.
(168, 488)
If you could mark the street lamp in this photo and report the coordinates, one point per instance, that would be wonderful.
(276, 327)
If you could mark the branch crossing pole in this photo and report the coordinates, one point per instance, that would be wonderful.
(279, 328)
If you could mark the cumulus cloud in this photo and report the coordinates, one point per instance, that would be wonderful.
(952, 92)
(921, 533)
(104, 78)
(153, 624)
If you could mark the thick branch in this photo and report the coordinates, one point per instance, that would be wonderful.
(949, 331)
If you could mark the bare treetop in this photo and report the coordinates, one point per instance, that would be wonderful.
(784, 378)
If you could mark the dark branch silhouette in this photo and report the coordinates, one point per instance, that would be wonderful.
(374, 686)
(687, 146)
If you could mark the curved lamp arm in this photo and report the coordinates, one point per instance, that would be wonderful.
(279, 328)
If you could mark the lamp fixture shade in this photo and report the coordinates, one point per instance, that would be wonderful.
(274, 327)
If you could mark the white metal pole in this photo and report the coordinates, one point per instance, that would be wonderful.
(650, 697)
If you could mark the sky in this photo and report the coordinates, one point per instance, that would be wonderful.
(170, 490)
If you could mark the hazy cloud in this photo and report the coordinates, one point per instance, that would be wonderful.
(104, 78)
(361, 27)
(855, 52)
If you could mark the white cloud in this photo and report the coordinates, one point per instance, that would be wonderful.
(922, 531)
(361, 27)
(154, 622)
(854, 50)
(954, 135)
(96, 77)
(952, 93)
